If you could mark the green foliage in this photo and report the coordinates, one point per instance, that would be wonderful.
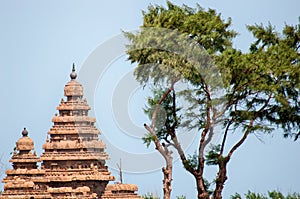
(148, 138)
(174, 37)
(261, 85)
(236, 196)
(276, 195)
(192, 161)
(264, 83)
(166, 121)
(213, 156)
(180, 197)
(251, 195)
(208, 186)
(270, 195)
(206, 27)
(245, 92)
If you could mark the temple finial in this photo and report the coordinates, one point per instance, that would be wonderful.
(24, 132)
(73, 74)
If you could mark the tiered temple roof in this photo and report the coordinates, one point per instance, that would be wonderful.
(25, 180)
(74, 157)
(120, 191)
(73, 161)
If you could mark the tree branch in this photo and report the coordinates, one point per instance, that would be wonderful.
(202, 143)
(225, 136)
(182, 156)
(166, 93)
(158, 145)
(241, 141)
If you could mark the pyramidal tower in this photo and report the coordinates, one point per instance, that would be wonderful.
(74, 157)
(25, 180)
(73, 161)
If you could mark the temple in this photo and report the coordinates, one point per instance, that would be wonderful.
(73, 164)
(25, 178)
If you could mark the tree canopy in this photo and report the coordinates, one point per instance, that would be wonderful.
(242, 92)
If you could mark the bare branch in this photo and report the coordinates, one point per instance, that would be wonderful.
(202, 143)
(225, 136)
(241, 141)
(166, 93)
(158, 145)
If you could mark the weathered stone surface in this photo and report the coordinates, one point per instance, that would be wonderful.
(25, 144)
(25, 180)
(73, 88)
(120, 191)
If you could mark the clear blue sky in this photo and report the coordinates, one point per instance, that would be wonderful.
(39, 41)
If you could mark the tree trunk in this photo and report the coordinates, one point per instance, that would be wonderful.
(167, 172)
(202, 193)
(167, 188)
(220, 181)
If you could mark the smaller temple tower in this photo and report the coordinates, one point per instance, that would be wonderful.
(25, 180)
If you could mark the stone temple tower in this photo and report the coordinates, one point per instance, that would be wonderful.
(74, 157)
(25, 180)
(73, 161)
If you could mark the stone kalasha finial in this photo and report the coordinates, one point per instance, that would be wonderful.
(73, 74)
(25, 132)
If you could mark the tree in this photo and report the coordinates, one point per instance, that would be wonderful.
(228, 92)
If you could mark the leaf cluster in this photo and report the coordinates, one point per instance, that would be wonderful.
(177, 42)
(205, 27)
(213, 155)
(181, 197)
(192, 161)
(270, 195)
(263, 84)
